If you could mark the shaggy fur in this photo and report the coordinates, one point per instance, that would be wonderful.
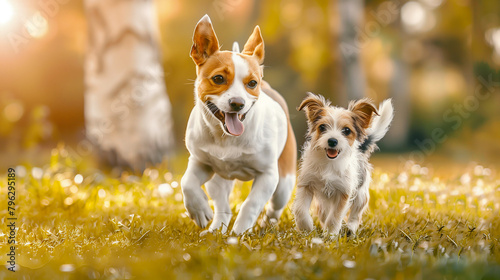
(334, 169)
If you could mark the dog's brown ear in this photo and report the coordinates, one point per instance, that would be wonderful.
(255, 45)
(313, 105)
(205, 41)
(363, 110)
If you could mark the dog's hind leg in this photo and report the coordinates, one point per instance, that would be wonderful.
(360, 202)
(279, 200)
(219, 190)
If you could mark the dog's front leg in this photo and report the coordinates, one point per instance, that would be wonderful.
(301, 207)
(219, 190)
(195, 199)
(263, 188)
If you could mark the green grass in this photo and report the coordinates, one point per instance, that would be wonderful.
(418, 226)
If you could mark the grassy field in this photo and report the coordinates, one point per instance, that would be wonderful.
(76, 222)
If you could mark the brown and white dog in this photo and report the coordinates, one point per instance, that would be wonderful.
(334, 169)
(239, 129)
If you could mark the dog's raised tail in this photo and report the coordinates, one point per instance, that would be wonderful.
(379, 127)
(236, 47)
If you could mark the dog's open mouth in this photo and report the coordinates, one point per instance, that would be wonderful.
(232, 121)
(332, 153)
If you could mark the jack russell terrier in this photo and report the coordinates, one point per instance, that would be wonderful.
(239, 129)
(334, 169)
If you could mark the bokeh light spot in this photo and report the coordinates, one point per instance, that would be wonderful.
(37, 172)
(68, 201)
(73, 189)
(417, 18)
(14, 111)
(37, 26)
(66, 183)
(101, 193)
(67, 268)
(78, 179)
(165, 190)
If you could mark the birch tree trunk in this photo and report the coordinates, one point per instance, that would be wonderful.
(127, 110)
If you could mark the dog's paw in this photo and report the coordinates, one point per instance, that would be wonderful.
(220, 224)
(333, 232)
(352, 228)
(304, 223)
(241, 227)
(267, 222)
(196, 204)
(215, 227)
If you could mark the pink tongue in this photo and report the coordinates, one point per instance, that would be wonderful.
(332, 153)
(233, 124)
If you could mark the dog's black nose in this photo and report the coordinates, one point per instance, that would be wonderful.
(236, 103)
(332, 142)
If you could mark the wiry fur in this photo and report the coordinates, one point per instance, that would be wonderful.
(340, 183)
(379, 127)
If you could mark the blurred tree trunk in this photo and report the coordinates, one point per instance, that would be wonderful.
(397, 136)
(351, 18)
(127, 110)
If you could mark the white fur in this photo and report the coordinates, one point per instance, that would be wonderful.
(219, 158)
(328, 180)
(380, 125)
(236, 47)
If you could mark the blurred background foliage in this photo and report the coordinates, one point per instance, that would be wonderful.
(436, 54)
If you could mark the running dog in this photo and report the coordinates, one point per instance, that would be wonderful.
(239, 128)
(334, 169)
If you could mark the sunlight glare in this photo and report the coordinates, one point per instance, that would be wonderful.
(6, 11)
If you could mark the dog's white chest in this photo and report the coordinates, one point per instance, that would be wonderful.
(245, 156)
(332, 185)
(233, 162)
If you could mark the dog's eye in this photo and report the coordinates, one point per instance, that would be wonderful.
(346, 131)
(252, 84)
(322, 128)
(218, 79)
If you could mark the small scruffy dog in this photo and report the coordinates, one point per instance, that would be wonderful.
(334, 167)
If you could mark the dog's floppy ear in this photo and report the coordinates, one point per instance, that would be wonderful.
(313, 105)
(255, 45)
(363, 110)
(205, 41)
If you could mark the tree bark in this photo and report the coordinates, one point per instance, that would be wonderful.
(127, 110)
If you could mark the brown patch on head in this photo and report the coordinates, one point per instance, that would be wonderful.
(254, 73)
(205, 42)
(362, 113)
(255, 45)
(322, 120)
(346, 121)
(314, 106)
(220, 63)
(210, 62)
